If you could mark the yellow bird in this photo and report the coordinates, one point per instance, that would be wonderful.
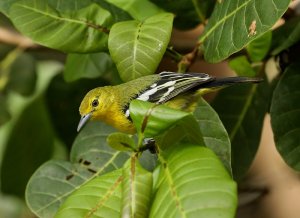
(180, 91)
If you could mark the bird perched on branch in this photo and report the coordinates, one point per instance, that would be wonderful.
(176, 90)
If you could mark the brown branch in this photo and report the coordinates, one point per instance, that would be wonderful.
(98, 27)
(13, 38)
(188, 59)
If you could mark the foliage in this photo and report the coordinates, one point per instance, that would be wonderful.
(197, 159)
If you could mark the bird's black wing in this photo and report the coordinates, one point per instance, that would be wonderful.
(172, 84)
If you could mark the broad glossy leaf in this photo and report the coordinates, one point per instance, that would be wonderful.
(286, 35)
(138, 47)
(233, 24)
(241, 66)
(258, 48)
(90, 157)
(90, 65)
(83, 30)
(285, 116)
(5, 5)
(72, 5)
(117, 13)
(242, 109)
(136, 190)
(136, 8)
(153, 120)
(193, 183)
(121, 141)
(214, 133)
(100, 197)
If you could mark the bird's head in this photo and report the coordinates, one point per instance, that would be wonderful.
(89, 107)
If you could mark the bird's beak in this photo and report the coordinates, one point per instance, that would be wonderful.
(84, 119)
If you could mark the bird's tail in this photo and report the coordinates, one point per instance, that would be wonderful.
(220, 83)
(228, 81)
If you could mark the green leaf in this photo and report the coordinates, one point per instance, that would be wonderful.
(23, 79)
(28, 132)
(214, 133)
(242, 109)
(117, 13)
(5, 5)
(286, 35)
(234, 24)
(100, 197)
(193, 183)
(136, 190)
(258, 48)
(153, 120)
(90, 157)
(90, 65)
(121, 142)
(32, 135)
(83, 30)
(148, 160)
(136, 8)
(138, 47)
(4, 114)
(285, 116)
(241, 66)
(188, 13)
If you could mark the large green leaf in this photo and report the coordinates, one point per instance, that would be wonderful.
(137, 189)
(285, 116)
(242, 109)
(23, 79)
(83, 30)
(213, 132)
(193, 183)
(136, 8)
(138, 47)
(121, 141)
(5, 5)
(90, 65)
(258, 48)
(286, 35)
(235, 23)
(4, 114)
(27, 140)
(54, 181)
(153, 120)
(241, 66)
(100, 197)
(31, 135)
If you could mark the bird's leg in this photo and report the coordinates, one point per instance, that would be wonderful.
(148, 144)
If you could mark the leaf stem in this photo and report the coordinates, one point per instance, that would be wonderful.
(5, 66)
(174, 54)
(198, 10)
(187, 60)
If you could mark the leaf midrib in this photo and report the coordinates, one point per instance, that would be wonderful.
(211, 30)
(78, 186)
(243, 112)
(53, 16)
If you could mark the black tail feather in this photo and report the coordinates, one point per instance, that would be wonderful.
(228, 81)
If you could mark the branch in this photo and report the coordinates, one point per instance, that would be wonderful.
(10, 37)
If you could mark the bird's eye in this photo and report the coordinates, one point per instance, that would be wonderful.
(95, 103)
